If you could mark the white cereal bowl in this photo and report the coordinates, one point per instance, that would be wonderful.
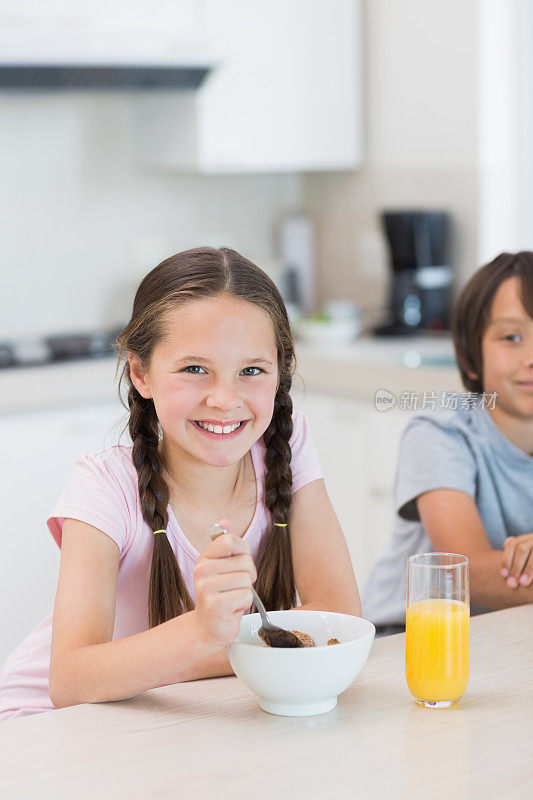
(297, 682)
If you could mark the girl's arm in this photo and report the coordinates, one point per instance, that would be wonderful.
(453, 525)
(323, 570)
(215, 666)
(87, 667)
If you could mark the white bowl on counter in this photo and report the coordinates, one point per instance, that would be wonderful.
(334, 331)
(301, 681)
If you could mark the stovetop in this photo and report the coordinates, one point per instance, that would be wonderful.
(43, 350)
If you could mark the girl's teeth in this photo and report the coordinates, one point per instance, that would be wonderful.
(219, 428)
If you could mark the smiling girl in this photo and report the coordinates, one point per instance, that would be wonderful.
(465, 475)
(144, 598)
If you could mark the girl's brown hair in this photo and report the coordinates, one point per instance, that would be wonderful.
(206, 272)
(473, 309)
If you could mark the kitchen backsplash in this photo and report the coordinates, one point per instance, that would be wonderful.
(83, 221)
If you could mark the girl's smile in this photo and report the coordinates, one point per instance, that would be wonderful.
(219, 429)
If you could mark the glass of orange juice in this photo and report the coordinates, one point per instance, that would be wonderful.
(437, 629)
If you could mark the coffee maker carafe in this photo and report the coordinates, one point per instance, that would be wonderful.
(421, 281)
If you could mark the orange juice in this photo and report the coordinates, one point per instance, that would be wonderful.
(437, 656)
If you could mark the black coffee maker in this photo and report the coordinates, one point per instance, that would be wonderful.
(420, 290)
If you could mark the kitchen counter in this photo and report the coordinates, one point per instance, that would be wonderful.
(360, 369)
(355, 371)
(210, 739)
(57, 384)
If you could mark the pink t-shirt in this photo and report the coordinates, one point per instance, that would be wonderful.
(103, 491)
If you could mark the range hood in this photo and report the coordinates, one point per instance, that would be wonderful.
(103, 76)
(101, 62)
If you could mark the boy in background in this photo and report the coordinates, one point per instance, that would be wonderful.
(464, 482)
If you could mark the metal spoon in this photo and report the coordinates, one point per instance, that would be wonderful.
(269, 633)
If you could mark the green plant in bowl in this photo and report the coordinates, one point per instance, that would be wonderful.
(319, 316)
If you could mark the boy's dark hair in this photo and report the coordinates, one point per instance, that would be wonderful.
(205, 272)
(473, 308)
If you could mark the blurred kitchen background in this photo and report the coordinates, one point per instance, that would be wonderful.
(368, 154)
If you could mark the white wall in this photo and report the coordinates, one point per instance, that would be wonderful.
(505, 127)
(421, 143)
(81, 221)
(449, 123)
(421, 83)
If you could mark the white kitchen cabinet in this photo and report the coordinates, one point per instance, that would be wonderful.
(338, 429)
(39, 449)
(285, 94)
(358, 450)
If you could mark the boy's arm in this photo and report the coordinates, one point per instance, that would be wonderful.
(453, 525)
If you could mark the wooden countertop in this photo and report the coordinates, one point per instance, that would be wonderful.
(209, 739)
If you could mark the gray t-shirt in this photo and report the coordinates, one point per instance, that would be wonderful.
(449, 449)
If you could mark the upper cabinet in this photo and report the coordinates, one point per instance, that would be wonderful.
(284, 96)
(59, 31)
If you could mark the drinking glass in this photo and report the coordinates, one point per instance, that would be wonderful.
(437, 640)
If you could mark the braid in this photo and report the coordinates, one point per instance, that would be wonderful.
(275, 582)
(168, 594)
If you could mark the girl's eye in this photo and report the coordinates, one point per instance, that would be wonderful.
(511, 337)
(193, 370)
(256, 371)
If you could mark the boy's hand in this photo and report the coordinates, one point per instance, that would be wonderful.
(223, 578)
(517, 566)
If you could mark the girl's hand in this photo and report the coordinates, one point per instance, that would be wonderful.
(223, 578)
(517, 565)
